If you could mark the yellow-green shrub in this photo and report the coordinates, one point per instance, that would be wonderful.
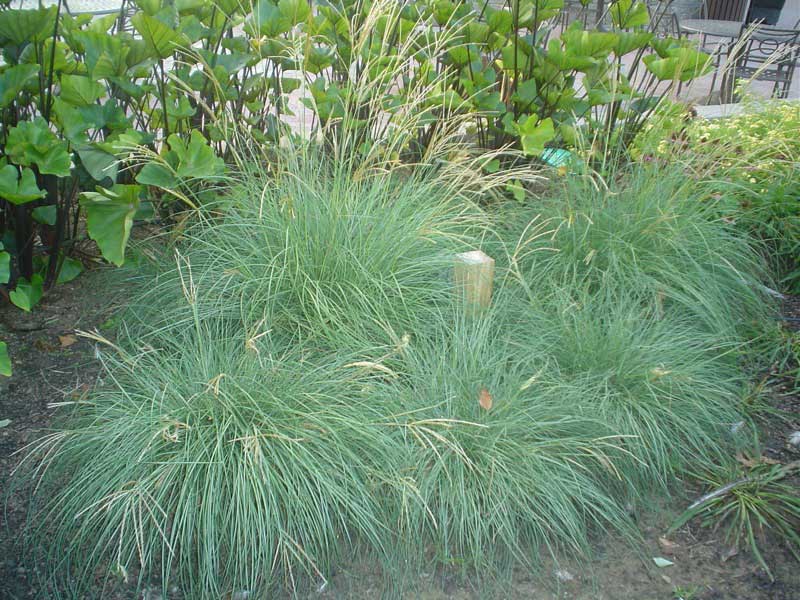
(748, 164)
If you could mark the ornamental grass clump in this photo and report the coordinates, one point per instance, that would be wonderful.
(300, 384)
(646, 233)
(663, 389)
(503, 474)
(208, 466)
(237, 442)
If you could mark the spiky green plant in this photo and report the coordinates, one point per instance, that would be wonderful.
(746, 503)
(503, 473)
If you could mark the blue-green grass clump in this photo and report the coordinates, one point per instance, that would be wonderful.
(300, 383)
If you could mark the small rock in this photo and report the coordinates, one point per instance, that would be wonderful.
(794, 439)
(563, 576)
(151, 594)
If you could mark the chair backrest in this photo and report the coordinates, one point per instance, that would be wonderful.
(572, 10)
(771, 49)
(127, 9)
(663, 20)
(726, 10)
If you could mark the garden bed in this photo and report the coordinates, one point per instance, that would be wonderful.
(293, 389)
(53, 365)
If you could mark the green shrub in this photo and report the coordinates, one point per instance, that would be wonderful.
(748, 168)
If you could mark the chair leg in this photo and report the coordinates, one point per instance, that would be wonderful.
(717, 64)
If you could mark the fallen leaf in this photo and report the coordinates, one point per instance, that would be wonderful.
(667, 546)
(662, 562)
(44, 345)
(729, 553)
(485, 399)
(67, 340)
(750, 463)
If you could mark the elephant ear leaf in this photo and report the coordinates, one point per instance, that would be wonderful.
(27, 293)
(16, 188)
(13, 80)
(5, 369)
(109, 218)
(160, 39)
(25, 26)
(32, 143)
(535, 135)
(80, 90)
(99, 163)
(680, 64)
(626, 14)
(185, 161)
(195, 159)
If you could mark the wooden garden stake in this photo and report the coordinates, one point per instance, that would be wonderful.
(473, 273)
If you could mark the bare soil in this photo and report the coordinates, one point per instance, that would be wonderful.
(51, 364)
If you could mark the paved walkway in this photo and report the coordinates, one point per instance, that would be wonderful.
(75, 6)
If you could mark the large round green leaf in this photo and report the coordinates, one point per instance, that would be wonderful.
(16, 188)
(109, 218)
(33, 143)
(161, 41)
(13, 80)
(24, 26)
(27, 293)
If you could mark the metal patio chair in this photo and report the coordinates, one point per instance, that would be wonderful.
(725, 10)
(663, 20)
(770, 54)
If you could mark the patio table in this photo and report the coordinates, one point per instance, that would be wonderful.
(712, 27)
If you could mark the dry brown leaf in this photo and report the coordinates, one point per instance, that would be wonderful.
(667, 546)
(748, 462)
(485, 399)
(729, 554)
(67, 340)
(44, 345)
